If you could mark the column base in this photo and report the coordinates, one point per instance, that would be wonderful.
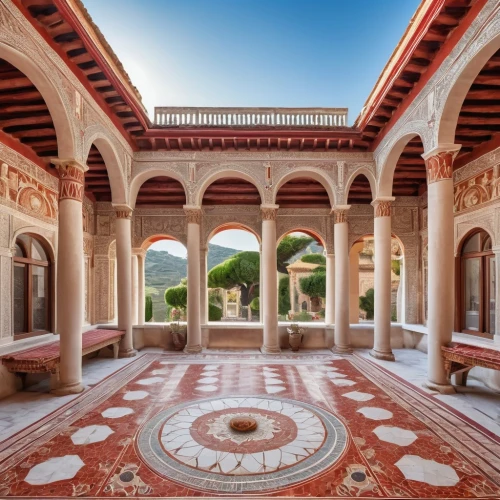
(193, 349)
(270, 350)
(66, 390)
(342, 349)
(128, 353)
(385, 356)
(441, 388)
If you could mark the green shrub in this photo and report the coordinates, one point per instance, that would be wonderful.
(314, 258)
(284, 295)
(367, 303)
(255, 304)
(214, 312)
(302, 316)
(176, 296)
(149, 308)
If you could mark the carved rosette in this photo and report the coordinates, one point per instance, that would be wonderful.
(193, 215)
(440, 166)
(340, 216)
(382, 208)
(268, 213)
(71, 180)
(124, 213)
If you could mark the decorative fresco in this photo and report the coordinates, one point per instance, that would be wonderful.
(26, 193)
(478, 190)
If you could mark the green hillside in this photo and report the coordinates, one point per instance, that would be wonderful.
(164, 270)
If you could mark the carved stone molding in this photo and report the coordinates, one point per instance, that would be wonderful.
(193, 215)
(440, 166)
(340, 215)
(268, 213)
(124, 213)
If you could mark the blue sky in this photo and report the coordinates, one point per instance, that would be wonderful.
(286, 53)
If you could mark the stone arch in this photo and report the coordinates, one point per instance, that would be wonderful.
(312, 232)
(363, 170)
(232, 225)
(386, 163)
(459, 82)
(40, 234)
(114, 167)
(209, 179)
(149, 240)
(310, 173)
(143, 176)
(469, 230)
(58, 111)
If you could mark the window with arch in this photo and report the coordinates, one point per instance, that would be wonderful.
(31, 288)
(477, 285)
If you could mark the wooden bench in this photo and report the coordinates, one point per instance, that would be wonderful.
(46, 358)
(459, 359)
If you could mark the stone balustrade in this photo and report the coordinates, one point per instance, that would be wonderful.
(250, 117)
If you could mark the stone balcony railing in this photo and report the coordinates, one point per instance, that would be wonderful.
(251, 117)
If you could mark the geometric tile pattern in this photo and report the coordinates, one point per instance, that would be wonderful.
(427, 471)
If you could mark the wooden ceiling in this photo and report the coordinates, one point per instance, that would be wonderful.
(229, 191)
(302, 193)
(360, 192)
(161, 191)
(46, 15)
(443, 25)
(97, 185)
(24, 114)
(410, 176)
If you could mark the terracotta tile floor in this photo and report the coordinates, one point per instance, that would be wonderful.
(158, 426)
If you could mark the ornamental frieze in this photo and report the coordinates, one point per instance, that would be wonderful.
(477, 190)
(26, 194)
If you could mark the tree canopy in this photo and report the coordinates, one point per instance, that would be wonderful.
(314, 285)
(288, 247)
(367, 303)
(284, 304)
(176, 296)
(314, 258)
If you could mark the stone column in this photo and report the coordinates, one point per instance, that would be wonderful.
(330, 289)
(69, 289)
(382, 331)
(341, 244)
(135, 289)
(354, 282)
(193, 216)
(441, 265)
(203, 286)
(261, 286)
(269, 291)
(124, 278)
(496, 338)
(141, 283)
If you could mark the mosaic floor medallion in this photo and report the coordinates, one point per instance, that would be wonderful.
(274, 444)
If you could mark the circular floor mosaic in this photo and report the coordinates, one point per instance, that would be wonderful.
(194, 443)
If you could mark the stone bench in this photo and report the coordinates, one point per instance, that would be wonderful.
(459, 359)
(46, 358)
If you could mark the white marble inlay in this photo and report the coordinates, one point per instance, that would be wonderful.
(343, 382)
(54, 469)
(91, 434)
(209, 373)
(374, 413)
(161, 371)
(274, 381)
(117, 412)
(208, 380)
(427, 471)
(206, 388)
(135, 395)
(358, 396)
(395, 435)
(274, 389)
(335, 375)
(151, 380)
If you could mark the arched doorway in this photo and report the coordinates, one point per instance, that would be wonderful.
(477, 285)
(32, 291)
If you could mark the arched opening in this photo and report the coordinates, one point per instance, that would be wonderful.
(161, 191)
(165, 268)
(233, 274)
(476, 279)
(97, 185)
(32, 286)
(231, 191)
(301, 276)
(303, 192)
(360, 191)
(362, 280)
(410, 175)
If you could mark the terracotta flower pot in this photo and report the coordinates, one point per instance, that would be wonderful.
(179, 335)
(295, 339)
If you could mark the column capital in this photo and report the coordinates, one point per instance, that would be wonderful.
(269, 212)
(340, 213)
(71, 178)
(496, 250)
(439, 162)
(123, 211)
(193, 214)
(382, 206)
(140, 252)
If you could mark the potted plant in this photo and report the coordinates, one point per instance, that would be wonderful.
(179, 332)
(295, 335)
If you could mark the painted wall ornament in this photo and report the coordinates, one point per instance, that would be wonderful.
(440, 166)
(71, 179)
(382, 208)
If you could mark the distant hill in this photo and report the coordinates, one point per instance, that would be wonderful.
(164, 270)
